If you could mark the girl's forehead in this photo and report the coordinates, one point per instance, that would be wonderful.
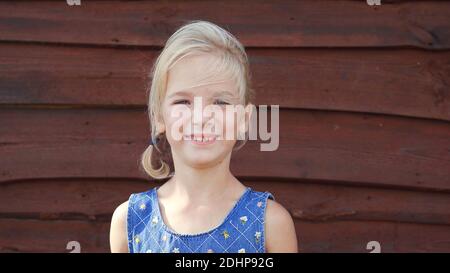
(208, 89)
(198, 74)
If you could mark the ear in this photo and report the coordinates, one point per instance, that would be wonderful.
(160, 126)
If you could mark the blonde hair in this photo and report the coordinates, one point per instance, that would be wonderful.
(193, 37)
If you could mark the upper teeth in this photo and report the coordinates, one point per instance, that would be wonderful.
(204, 139)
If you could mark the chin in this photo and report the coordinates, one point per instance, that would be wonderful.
(200, 160)
(204, 158)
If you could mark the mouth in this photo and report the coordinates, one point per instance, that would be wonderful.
(200, 139)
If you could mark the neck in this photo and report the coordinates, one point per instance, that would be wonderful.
(199, 184)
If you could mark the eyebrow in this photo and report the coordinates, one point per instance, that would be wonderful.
(224, 93)
(179, 93)
(217, 94)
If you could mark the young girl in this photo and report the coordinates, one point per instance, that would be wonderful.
(202, 207)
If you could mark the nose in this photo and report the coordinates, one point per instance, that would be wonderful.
(199, 118)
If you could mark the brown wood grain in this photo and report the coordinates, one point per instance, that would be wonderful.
(353, 236)
(96, 199)
(422, 24)
(19, 235)
(409, 83)
(22, 235)
(349, 148)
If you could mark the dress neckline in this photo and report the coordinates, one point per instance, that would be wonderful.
(169, 230)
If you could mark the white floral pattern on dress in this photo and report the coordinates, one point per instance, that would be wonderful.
(257, 236)
(243, 219)
(242, 250)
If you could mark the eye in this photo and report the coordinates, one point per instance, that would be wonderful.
(181, 102)
(221, 102)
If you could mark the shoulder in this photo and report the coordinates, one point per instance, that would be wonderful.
(118, 232)
(120, 212)
(279, 229)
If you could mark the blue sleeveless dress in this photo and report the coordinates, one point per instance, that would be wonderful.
(242, 230)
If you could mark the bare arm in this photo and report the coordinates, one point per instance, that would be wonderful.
(280, 229)
(118, 233)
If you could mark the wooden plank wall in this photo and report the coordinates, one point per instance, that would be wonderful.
(364, 93)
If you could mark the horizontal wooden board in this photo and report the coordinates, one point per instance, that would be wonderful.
(314, 202)
(96, 199)
(308, 23)
(349, 236)
(331, 147)
(21, 235)
(409, 83)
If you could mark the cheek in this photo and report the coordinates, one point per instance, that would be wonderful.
(176, 119)
(230, 127)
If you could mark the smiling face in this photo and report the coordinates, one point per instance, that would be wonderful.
(205, 137)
